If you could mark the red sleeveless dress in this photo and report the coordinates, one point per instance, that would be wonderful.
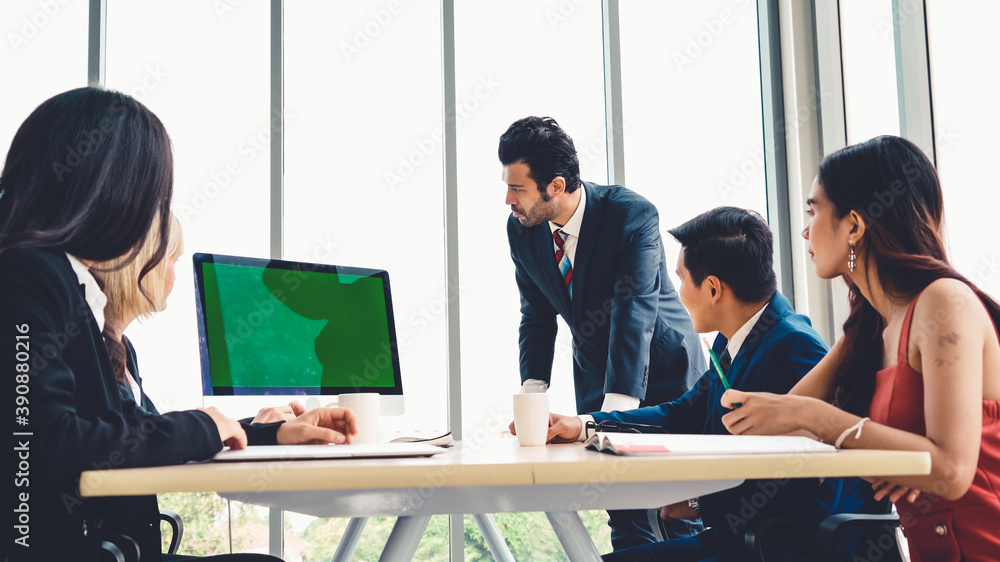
(940, 530)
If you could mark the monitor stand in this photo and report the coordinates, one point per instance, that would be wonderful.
(246, 406)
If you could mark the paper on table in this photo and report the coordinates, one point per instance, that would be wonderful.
(312, 452)
(682, 444)
(445, 440)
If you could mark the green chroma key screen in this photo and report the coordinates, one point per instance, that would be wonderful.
(278, 327)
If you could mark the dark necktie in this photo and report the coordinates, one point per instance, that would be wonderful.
(725, 361)
(562, 260)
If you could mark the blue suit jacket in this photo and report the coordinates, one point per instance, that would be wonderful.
(780, 349)
(630, 333)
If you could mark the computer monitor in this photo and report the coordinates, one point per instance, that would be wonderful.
(282, 330)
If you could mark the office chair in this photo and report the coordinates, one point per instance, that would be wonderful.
(122, 548)
(119, 548)
(177, 529)
(877, 540)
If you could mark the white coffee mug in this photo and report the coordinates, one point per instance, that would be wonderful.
(365, 406)
(531, 418)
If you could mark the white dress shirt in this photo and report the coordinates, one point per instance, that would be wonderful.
(733, 347)
(97, 300)
(612, 401)
(571, 228)
(136, 389)
(92, 292)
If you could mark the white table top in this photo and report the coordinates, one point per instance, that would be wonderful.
(496, 463)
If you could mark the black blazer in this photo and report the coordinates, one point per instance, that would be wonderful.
(76, 418)
(630, 333)
(132, 362)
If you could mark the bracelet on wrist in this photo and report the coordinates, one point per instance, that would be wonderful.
(858, 426)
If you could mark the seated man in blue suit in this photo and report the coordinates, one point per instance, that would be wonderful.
(728, 285)
(592, 254)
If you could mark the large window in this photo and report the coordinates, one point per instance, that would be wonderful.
(218, 118)
(692, 106)
(966, 121)
(36, 36)
(363, 175)
(869, 66)
(215, 109)
(515, 59)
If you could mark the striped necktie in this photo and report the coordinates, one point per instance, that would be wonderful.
(562, 260)
(726, 361)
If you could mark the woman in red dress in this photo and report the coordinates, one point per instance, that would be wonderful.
(920, 354)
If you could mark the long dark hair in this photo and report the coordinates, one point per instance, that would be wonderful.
(86, 173)
(894, 187)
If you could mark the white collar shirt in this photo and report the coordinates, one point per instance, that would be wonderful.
(571, 228)
(92, 292)
(736, 342)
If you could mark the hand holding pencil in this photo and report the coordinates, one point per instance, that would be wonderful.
(718, 367)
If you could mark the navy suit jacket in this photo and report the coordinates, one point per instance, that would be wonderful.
(630, 333)
(780, 349)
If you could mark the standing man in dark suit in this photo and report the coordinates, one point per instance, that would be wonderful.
(592, 254)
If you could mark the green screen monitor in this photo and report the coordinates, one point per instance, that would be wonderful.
(292, 329)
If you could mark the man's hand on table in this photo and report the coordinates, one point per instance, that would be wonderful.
(287, 412)
(319, 426)
(562, 429)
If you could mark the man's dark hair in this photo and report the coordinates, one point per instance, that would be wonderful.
(733, 244)
(547, 150)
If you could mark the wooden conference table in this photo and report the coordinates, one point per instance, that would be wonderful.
(493, 476)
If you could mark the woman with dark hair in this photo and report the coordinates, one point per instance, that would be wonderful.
(918, 367)
(87, 175)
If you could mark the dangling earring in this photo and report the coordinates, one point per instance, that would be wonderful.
(852, 260)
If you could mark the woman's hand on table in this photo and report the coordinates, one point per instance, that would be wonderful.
(230, 430)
